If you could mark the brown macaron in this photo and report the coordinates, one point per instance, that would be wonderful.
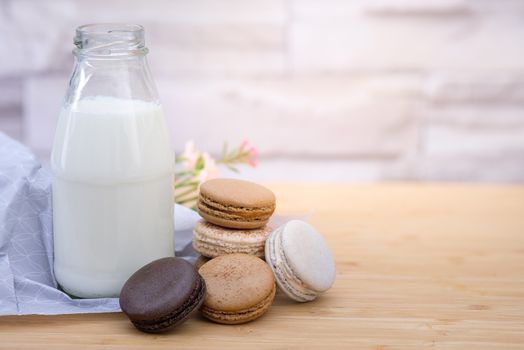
(240, 288)
(162, 294)
(235, 203)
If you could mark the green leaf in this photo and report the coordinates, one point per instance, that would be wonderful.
(224, 150)
(232, 168)
(199, 163)
(182, 173)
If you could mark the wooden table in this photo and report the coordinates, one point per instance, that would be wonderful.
(419, 266)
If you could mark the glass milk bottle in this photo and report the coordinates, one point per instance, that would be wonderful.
(113, 166)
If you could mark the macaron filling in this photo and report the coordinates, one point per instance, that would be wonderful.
(210, 207)
(220, 248)
(241, 315)
(181, 313)
(287, 280)
(236, 208)
(211, 240)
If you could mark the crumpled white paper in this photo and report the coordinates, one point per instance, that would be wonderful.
(27, 283)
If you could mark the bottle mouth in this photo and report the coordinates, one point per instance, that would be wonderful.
(109, 40)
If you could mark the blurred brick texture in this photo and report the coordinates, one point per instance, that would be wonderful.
(327, 90)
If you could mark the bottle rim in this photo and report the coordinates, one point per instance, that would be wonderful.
(110, 40)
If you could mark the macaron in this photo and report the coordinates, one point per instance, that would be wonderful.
(201, 260)
(235, 203)
(240, 288)
(162, 294)
(301, 260)
(211, 240)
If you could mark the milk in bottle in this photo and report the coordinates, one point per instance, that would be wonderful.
(112, 164)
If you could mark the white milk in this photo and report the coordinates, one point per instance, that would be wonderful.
(112, 193)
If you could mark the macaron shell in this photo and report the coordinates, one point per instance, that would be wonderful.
(308, 255)
(177, 316)
(212, 240)
(287, 281)
(238, 193)
(212, 251)
(240, 316)
(162, 294)
(232, 223)
(231, 218)
(235, 203)
(239, 211)
(144, 294)
(236, 282)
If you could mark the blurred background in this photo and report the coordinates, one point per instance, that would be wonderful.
(332, 90)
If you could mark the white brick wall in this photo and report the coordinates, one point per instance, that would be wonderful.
(327, 90)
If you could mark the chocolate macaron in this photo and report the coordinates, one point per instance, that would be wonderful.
(240, 288)
(301, 260)
(235, 203)
(162, 294)
(211, 240)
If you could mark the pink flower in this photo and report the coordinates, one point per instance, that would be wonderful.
(210, 170)
(247, 153)
(253, 153)
(190, 155)
(243, 145)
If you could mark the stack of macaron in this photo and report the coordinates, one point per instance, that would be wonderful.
(233, 284)
(234, 230)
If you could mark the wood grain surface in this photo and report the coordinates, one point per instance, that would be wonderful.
(418, 266)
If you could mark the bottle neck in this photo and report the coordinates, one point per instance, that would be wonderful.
(109, 41)
(110, 60)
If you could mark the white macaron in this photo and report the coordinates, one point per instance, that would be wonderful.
(301, 261)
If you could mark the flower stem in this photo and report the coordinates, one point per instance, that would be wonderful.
(182, 173)
(187, 200)
(186, 182)
(185, 193)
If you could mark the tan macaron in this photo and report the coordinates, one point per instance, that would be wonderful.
(240, 288)
(235, 203)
